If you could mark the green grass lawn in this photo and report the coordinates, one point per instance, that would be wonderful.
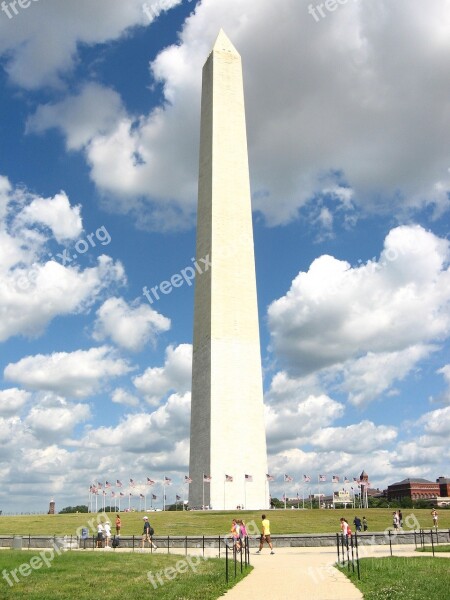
(74, 575)
(439, 548)
(216, 523)
(396, 578)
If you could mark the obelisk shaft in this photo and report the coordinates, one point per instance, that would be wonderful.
(227, 415)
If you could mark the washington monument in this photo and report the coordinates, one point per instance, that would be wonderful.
(228, 457)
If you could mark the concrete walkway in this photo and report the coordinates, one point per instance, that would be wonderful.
(306, 573)
(294, 573)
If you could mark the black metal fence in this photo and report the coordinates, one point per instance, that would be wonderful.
(237, 556)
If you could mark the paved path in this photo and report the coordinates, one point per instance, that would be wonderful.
(294, 573)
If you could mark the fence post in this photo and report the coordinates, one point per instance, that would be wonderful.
(235, 560)
(348, 552)
(353, 556)
(203, 546)
(357, 555)
(390, 541)
(226, 562)
(185, 547)
(337, 543)
(432, 543)
(168, 542)
(219, 546)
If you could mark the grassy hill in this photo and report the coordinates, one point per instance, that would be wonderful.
(215, 523)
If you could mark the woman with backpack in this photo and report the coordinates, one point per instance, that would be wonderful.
(147, 534)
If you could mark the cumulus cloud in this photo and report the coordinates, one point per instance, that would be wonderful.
(56, 213)
(12, 401)
(156, 382)
(40, 44)
(35, 290)
(54, 419)
(367, 314)
(319, 139)
(77, 374)
(130, 327)
(121, 396)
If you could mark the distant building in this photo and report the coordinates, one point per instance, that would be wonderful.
(51, 507)
(414, 489)
(444, 486)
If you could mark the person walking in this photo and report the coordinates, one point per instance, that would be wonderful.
(357, 523)
(365, 524)
(147, 534)
(434, 515)
(118, 524)
(400, 519)
(100, 532)
(265, 535)
(395, 520)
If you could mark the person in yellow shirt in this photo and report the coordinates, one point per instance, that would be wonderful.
(265, 535)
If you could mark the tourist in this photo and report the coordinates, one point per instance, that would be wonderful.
(395, 520)
(107, 528)
(265, 535)
(118, 524)
(435, 517)
(100, 532)
(235, 531)
(344, 526)
(357, 523)
(147, 534)
(365, 524)
(400, 519)
(242, 533)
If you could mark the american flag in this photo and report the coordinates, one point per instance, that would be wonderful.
(288, 478)
(99, 485)
(122, 494)
(187, 479)
(150, 481)
(229, 478)
(249, 478)
(167, 481)
(354, 479)
(132, 483)
(346, 480)
(154, 497)
(306, 478)
(335, 479)
(269, 477)
(104, 492)
(207, 478)
(107, 484)
(322, 478)
(119, 483)
(130, 494)
(141, 496)
(177, 497)
(113, 494)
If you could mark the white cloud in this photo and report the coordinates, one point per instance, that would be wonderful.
(359, 319)
(54, 419)
(445, 396)
(354, 439)
(35, 290)
(93, 112)
(338, 138)
(156, 382)
(130, 327)
(40, 44)
(56, 213)
(12, 401)
(77, 374)
(121, 396)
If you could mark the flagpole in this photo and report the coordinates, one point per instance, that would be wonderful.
(303, 494)
(284, 493)
(164, 497)
(224, 485)
(245, 491)
(203, 492)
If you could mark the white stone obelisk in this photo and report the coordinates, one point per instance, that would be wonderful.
(227, 414)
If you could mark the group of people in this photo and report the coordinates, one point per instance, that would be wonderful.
(104, 532)
(359, 525)
(238, 534)
(397, 519)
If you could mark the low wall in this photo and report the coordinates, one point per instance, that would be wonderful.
(441, 536)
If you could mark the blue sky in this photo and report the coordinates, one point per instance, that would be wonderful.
(347, 114)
